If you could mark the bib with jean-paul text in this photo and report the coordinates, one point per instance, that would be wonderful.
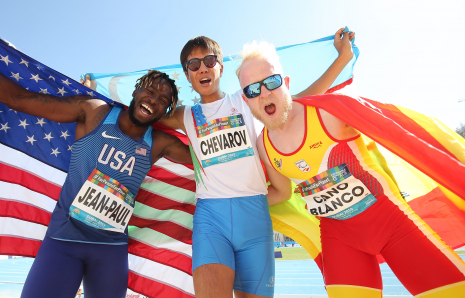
(103, 203)
(335, 194)
(223, 139)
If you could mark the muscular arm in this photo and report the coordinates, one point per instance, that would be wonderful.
(166, 145)
(59, 109)
(280, 188)
(176, 121)
(344, 49)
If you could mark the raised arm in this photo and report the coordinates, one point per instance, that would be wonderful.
(280, 188)
(344, 48)
(169, 146)
(176, 121)
(59, 109)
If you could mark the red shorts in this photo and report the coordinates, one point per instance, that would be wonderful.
(421, 261)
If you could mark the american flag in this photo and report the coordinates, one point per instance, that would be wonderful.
(141, 151)
(34, 160)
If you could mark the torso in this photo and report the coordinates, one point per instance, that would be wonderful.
(116, 155)
(319, 159)
(226, 148)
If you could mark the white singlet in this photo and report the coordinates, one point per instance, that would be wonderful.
(226, 148)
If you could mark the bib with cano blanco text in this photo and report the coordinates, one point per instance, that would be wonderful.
(335, 194)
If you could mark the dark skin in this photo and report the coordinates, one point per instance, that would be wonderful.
(151, 104)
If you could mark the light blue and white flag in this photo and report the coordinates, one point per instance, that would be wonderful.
(303, 63)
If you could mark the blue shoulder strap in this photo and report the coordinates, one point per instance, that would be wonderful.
(148, 138)
(113, 116)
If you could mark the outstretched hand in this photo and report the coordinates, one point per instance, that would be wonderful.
(89, 83)
(342, 45)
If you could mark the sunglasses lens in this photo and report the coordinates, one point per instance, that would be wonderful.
(273, 82)
(252, 91)
(210, 61)
(193, 64)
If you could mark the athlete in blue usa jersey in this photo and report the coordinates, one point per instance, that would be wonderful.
(87, 236)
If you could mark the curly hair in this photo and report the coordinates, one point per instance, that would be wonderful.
(148, 79)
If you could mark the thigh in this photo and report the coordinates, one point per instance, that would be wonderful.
(213, 280)
(422, 262)
(255, 268)
(211, 242)
(346, 266)
(56, 272)
(106, 274)
(253, 247)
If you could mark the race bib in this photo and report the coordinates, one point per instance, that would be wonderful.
(222, 140)
(103, 203)
(335, 194)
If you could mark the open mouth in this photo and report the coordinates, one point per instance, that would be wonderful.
(270, 109)
(205, 82)
(146, 110)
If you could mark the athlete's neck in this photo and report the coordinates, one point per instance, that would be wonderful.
(130, 129)
(217, 95)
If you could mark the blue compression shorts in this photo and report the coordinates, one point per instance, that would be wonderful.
(236, 232)
(60, 266)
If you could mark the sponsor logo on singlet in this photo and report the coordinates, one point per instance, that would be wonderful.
(234, 111)
(278, 163)
(302, 165)
(316, 145)
(224, 139)
(335, 194)
(104, 134)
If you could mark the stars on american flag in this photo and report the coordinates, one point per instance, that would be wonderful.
(61, 91)
(5, 59)
(179, 88)
(5, 127)
(41, 122)
(35, 78)
(31, 140)
(48, 137)
(23, 123)
(66, 82)
(44, 91)
(55, 152)
(64, 135)
(31, 134)
(16, 76)
(24, 62)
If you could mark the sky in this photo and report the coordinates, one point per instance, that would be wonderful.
(411, 52)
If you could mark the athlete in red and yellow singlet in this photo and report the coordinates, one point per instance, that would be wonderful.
(360, 221)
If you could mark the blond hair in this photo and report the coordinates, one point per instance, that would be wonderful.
(261, 50)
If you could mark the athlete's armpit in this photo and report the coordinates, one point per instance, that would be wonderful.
(169, 146)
